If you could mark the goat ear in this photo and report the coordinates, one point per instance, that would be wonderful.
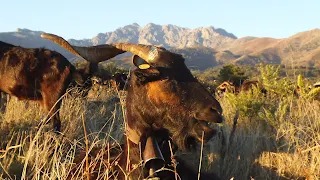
(140, 63)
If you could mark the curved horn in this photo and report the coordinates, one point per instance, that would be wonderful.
(147, 52)
(93, 54)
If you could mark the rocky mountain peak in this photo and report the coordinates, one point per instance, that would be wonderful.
(169, 36)
(202, 47)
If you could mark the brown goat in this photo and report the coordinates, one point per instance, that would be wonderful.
(36, 74)
(164, 101)
(228, 86)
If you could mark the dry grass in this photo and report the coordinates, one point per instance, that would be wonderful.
(279, 140)
(276, 137)
(31, 152)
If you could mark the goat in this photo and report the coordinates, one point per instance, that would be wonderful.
(36, 74)
(164, 102)
(228, 86)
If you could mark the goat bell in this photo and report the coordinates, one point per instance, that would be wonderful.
(152, 156)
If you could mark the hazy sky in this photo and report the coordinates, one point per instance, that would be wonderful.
(85, 19)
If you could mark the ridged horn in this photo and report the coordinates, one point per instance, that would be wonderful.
(147, 52)
(93, 54)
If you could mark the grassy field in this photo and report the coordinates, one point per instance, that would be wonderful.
(265, 136)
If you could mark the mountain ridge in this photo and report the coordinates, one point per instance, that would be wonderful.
(203, 47)
(162, 35)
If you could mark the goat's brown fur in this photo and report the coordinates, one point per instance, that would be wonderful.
(36, 74)
(247, 85)
(162, 96)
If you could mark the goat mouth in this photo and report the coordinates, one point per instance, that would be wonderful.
(205, 129)
(211, 125)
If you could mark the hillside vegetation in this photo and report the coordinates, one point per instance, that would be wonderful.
(264, 136)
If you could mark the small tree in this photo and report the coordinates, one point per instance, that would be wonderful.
(232, 73)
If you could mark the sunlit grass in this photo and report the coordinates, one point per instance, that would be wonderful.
(32, 152)
(277, 136)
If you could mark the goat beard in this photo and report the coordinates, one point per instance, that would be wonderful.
(179, 131)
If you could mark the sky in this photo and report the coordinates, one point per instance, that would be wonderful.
(79, 19)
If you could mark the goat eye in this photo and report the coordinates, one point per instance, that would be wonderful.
(165, 79)
(213, 109)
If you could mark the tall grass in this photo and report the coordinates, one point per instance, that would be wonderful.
(265, 136)
(277, 135)
(32, 152)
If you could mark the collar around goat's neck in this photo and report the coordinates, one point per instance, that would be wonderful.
(133, 135)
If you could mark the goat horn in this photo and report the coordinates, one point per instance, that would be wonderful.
(94, 54)
(147, 52)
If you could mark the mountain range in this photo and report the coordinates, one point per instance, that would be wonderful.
(203, 47)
